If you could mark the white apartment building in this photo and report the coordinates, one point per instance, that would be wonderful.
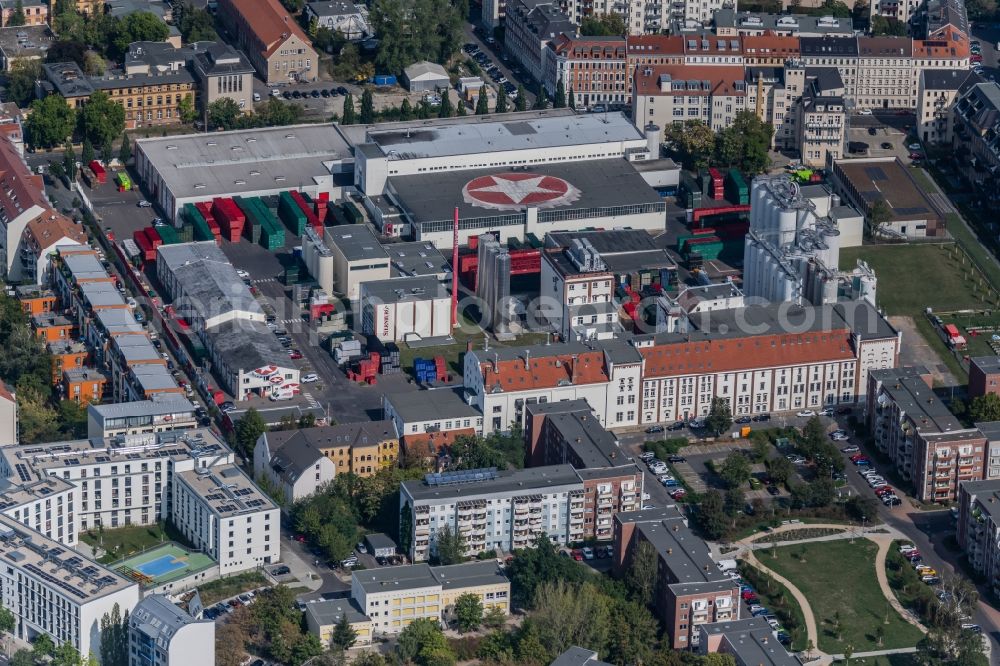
(292, 463)
(937, 93)
(885, 73)
(669, 94)
(119, 481)
(8, 415)
(52, 590)
(163, 634)
(226, 516)
(578, 283)
(491, 509)
(163, 413)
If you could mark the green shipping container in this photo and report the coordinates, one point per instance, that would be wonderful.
(290, 213)
(736, 188)
(168, 235)
(202, 232)
(272, 234)
(354, 215)
(186, 233)
(251, 228)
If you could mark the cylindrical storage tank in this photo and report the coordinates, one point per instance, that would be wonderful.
(653, 140)
(786, 226)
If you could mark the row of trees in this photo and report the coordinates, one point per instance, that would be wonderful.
(102, 35)
(226, 114)
(272, 627)
(744, 144)
(52, 121)
(413, 30)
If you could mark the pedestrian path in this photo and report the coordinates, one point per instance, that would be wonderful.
(883, 540)
(830, 658)
(310, 399)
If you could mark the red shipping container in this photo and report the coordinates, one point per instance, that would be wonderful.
(99, 172)
(205, 208)
(230, 218)
(145, 246)
(154, 238)
(311, 218)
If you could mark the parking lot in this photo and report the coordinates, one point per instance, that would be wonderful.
(884, 134)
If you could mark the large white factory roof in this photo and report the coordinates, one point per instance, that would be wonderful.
(487, 134)
(244, 161)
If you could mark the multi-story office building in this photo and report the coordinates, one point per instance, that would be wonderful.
(274, 42)
(226, 516)
(937, 92)
(392, 598)
(161, 413)
(979, 527)
(118, 481)
(929, 446)
(162, 634)
(52, 590)
(690, 588)
(757, 359)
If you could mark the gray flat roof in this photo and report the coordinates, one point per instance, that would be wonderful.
(159, 405)
(84, 266)
(329, 611)
(491, 135)
(357, 242)
(416, 258)
(395, 578)
(684, 554)
(378, 540)
(521, 481)
(469, 574)
(226, 490)
(914, 397)
(432, 197)
(442, 403)
(987, 363)
(244, 161)
(153, 377)
(136, 348)
(399, 290)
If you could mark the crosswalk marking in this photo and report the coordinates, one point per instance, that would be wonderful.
(263, 280)
(312, 401)
(290, 321)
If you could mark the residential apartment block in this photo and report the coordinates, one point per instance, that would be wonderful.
(937, 92)
(592, 69)
(976, 120)
(361, 448)
(291, 464)
(8, 415)
(22, 199)
(54, 591)
(393, 597)
(750, 642)
(691, 591)
(669, 94)
(529, 27)
(161, 633)
(227, 517)
(492, 509)
(118, 481)
(979, 528)
(271, 38)
(984, 376)
(929, 446)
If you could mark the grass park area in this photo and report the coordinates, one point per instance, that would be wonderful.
(912, 278)
(838, 579)
(776, 597)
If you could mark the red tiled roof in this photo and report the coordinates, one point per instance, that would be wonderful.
(684, 358)
(548, 372)
(51, 227)
(19, 188)
(721, 77)
(770, 45)
(269, 21)
(5, 392)
(948, 42)
(656, 45)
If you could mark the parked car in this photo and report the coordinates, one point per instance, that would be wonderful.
(886, 145)
(805, 413)
(310, 378)
(654, 429)
(281, 570)
(577, 554)
(144, 204)
(676, 459)
(677, 494)
(853, 448)
(588, 553)
(761, 418)
(742, 420)
(677, 425)
(773, 490)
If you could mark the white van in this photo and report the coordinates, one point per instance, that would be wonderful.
(727, 565)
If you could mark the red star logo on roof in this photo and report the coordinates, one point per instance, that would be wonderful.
(514, 191)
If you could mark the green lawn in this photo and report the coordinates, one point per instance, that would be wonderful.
(223, 588)
(122, 542)
(967, 239)
(914, 277)
(776, 597)
(838, 579)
